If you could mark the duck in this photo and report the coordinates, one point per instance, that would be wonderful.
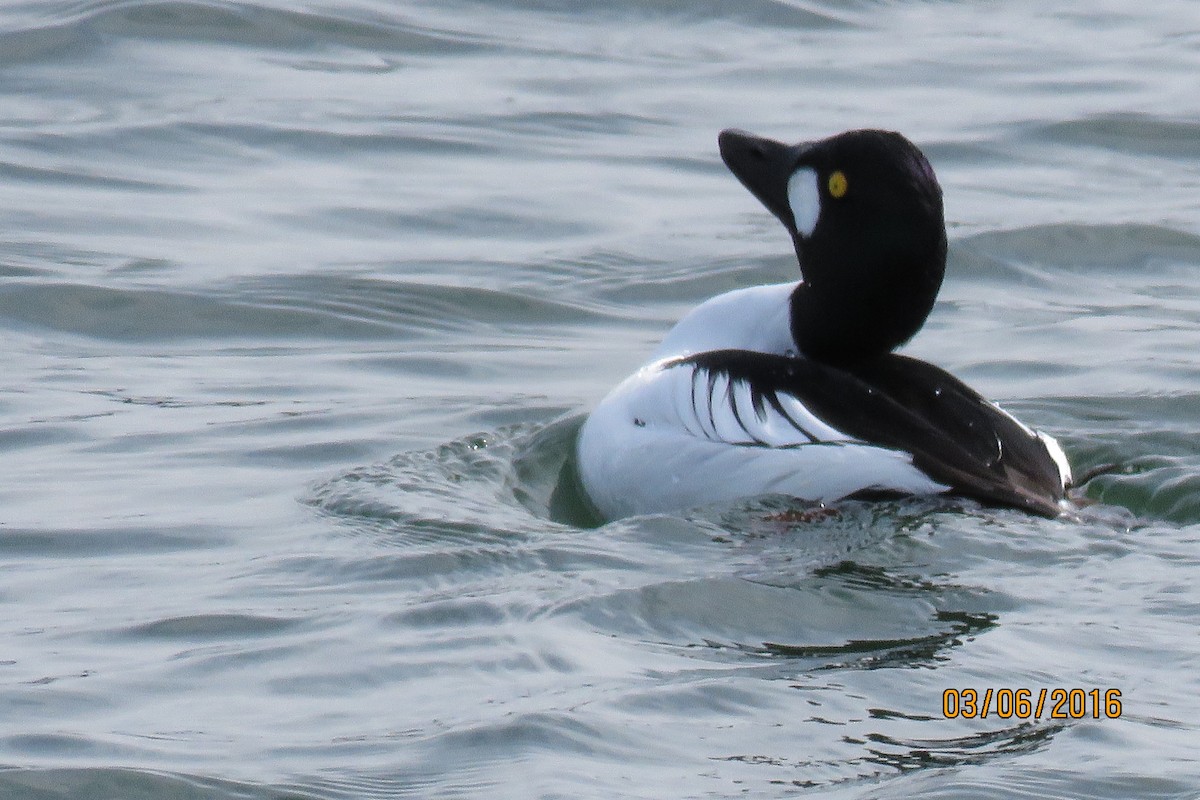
(795, 388)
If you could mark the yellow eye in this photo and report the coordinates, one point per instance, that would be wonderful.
(838, 184)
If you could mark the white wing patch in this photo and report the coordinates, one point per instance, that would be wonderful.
(1053, 448)
(721, 409)
(1058, 456)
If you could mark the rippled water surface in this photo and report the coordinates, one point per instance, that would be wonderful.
(303, 304)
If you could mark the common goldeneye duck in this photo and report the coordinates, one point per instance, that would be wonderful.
(793, 388)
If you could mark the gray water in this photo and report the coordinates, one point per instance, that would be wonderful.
(302, 304)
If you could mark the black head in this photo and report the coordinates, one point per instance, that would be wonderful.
(865, 214)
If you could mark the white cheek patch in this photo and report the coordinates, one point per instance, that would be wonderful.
(805, 200)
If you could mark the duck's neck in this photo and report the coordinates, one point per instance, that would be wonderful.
(843, 324)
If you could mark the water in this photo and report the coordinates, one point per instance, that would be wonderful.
(302, 304)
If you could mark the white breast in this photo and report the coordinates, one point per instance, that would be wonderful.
(756, 318)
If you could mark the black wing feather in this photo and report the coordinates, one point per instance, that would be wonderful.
(954, 435)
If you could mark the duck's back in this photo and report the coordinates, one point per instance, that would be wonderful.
(720, 425)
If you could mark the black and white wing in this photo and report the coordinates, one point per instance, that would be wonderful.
(726, 424)
(682, 433)
(952, 434)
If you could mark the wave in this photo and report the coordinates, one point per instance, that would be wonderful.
(300, 308)
(79, 27)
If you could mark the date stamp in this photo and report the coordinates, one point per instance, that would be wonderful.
(1031, 704)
